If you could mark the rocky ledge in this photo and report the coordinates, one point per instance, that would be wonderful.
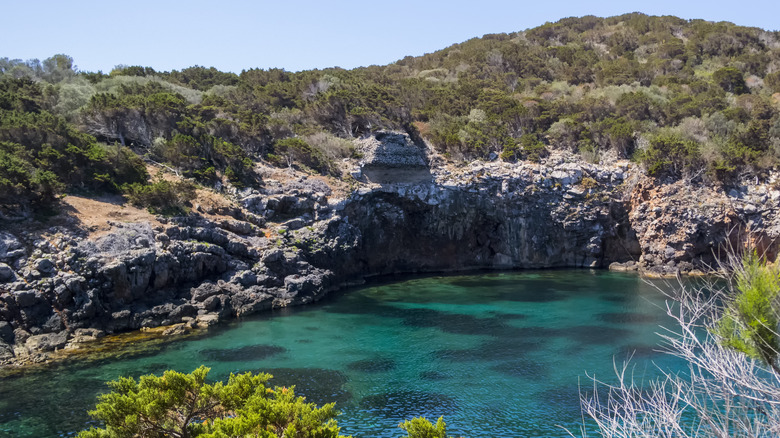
(293, 242)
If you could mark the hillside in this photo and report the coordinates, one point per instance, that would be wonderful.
(689, 99)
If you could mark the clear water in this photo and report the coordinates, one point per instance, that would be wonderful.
(498, 355)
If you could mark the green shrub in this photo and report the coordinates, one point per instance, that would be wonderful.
(731, 80)
(161, 196)
(184, 405)
(289, 151)
(423, 428)
(670, 154)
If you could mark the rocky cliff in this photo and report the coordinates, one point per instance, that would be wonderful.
(294, 241)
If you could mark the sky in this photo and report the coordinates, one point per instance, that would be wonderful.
(234, 35)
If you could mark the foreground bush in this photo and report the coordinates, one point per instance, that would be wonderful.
(185, 406)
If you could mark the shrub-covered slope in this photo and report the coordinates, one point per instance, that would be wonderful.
(688, 99)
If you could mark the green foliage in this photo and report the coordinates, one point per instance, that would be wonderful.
(772, 80)
(750, 322)
(731, 80)
(668, 153)
(589, 84)
(423, 428)
(289, 151)
(42, 154)
(161, 196)
(184, 405)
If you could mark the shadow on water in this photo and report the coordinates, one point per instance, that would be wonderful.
(407, 404)
(248, 353)
(318, 385)
(434, 376)
(494, 350)
(373, 365)
(522, 368)
(627, 318)
(597, 335)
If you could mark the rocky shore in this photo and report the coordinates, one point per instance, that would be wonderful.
(294, 241)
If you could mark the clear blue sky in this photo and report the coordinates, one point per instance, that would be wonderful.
(232, 35)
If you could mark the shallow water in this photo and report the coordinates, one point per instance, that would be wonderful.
(500, 354)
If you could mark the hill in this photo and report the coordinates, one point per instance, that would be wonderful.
(690, 99)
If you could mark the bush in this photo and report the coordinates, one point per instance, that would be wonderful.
(291, 151)
(670, 154)
(731, 80)
(162, 196)
(422, 428)
(184, 405)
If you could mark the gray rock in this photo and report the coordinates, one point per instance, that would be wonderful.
(6, 352)
(205, 290)
(9, 246)
(7, 274)
(211, 303)
(6, 332)
(25, 298)
(47, 342)
(44, 265)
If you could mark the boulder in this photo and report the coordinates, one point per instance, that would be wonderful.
(44, 265)
(47, 341)
(6, 332)
(7, 274)
(10, 246)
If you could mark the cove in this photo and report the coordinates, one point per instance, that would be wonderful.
(498, 354)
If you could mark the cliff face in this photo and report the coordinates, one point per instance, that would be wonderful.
(60, 289)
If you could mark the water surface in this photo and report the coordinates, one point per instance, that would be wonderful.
(500, 354)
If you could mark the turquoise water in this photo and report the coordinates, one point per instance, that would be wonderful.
(498, 355)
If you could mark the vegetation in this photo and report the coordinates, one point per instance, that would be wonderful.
(161, 196)
(686, 98)
(185, 406)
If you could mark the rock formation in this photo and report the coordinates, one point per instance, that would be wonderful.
(293, 242)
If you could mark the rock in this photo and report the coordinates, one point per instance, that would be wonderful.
(207, 320)
(6, 352)
(211, 303)
(25, 298)
(176, 330)
(45, 265)
(238, 227)
(204, 291)
(7, 274)
(82, 335)
(182, 311)
(6, 332)
(47, 342)
(10, 246)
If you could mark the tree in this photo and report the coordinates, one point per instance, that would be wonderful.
(422, 428)
(185, 406)
(731, 80)
(727, 334)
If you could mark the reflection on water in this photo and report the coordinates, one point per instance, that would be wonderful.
(498, 354)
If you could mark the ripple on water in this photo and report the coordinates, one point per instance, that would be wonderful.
(455, 323)
(242, 354)
(637, 352)
(408, 404)
(318, 385)
(373, 365)
(523, 368)
(434, 376)
(627, 318)
(597, 334)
